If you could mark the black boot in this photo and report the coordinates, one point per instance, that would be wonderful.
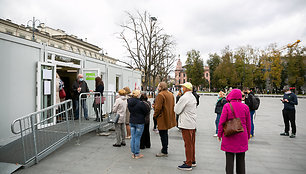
(284, 134)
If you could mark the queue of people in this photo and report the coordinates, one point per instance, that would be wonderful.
(135, 110)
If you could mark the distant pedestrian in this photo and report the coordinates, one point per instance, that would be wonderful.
(186, 109)
(78, 87)
(145, 141)
(138, 111)
(195, 94)
(218, 109)
(237, 144)
(249, 101)
(165, 116)
(289, 100)
(127, 118)
(97, 105)
(120, 108)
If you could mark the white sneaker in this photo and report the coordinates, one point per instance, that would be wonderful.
(215, 135)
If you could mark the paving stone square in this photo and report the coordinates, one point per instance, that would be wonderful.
(268, 151)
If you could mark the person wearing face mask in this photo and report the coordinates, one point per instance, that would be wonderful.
(218, 109)
(186, 109)
(78, 87)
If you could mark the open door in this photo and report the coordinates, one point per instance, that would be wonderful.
(45, 89)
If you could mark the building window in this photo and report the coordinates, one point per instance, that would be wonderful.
(206, 74)
(184, 81)
(179, 81)
(179, 74)
(184, 76)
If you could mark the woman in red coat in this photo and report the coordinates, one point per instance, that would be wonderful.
(235, 145)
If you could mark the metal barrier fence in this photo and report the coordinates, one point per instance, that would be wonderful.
(42, 132)
(87, 110)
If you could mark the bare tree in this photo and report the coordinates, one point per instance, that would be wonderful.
(146, 44)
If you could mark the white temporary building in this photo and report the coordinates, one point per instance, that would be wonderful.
(28, 70)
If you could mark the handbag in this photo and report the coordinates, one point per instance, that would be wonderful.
(233, 126)
(62, 93)
(113, 118)
(97, 100)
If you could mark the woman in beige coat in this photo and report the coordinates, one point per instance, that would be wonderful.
(120, 108)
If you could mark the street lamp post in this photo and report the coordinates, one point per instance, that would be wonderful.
(33, 26)
(150, 50)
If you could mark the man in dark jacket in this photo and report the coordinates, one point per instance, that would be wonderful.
(289, 100)
(78, 87)
(249, 98)
(194, 92)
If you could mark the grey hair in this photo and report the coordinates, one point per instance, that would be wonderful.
(286, 88)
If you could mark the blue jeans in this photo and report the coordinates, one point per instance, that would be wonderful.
(252, 123)
(217, 122)
(84, 106)
(136, 132)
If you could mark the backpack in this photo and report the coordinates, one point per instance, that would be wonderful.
(255, 102)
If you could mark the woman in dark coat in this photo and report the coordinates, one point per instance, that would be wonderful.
(145, 138)
(138, 111)
(98, 106)
(218, 110)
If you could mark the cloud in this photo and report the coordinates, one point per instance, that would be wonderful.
(207, 26)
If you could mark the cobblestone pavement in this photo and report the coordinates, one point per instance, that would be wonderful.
(268, 151)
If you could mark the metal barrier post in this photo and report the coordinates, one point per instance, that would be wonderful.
(22, 140)
(80, 117)
(34, 138)
(67, 119)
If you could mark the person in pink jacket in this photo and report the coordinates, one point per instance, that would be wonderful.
(235, 145)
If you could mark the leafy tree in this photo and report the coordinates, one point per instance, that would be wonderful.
(245, 59)
(194, 68)
(225, 72)
(271, 65)
(295, 67)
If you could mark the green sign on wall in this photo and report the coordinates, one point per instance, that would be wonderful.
(90, 76)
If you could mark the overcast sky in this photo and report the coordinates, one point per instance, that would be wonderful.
(204, 25)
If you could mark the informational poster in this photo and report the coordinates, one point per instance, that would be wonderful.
(47, 74)
(47, 87)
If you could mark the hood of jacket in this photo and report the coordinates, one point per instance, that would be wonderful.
(123, 97)
(133, 101)
(235, 94)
